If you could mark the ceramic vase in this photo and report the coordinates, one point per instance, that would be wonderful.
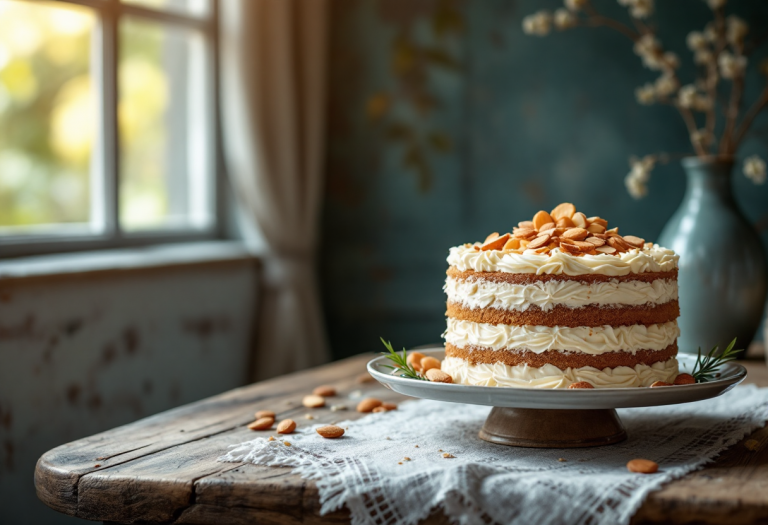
(723, 277)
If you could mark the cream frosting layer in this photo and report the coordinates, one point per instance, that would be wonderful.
(549, 376)
(654, 259)
(538, 339)
(481, 293)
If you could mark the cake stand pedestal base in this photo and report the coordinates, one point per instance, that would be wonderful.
(533, 427)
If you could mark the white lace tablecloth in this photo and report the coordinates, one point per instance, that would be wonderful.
(367, 469)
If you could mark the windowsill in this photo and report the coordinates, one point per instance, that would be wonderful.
(181, 254)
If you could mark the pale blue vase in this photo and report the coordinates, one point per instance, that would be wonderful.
(723, 274)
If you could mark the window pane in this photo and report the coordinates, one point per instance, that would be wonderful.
(48, 115)
(166, 176)
(187, 7)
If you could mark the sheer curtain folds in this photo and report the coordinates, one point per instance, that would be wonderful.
(273, 58)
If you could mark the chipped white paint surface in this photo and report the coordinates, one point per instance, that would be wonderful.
(86, 353)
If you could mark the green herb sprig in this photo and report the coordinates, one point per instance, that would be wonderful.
(400, 361)
(706, 367)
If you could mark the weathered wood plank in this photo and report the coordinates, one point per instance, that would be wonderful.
(174, 476)
(59, 470)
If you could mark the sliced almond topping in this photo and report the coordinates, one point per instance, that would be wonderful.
(619, 244)
(494, 235)
(596, 228)
(637, 242)
(579, 220)
(547, 227)
(512, 244)
(569, 248)
(576, 234)
(540, 219)
(598, 220)
(525, 224)
(605, 249)
(595, 241)
(496, 244)
(613, 231)
(565, 209)
(538, 242)
(565, 222)
(584, 246)
(525, 233)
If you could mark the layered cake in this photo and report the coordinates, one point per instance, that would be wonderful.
(563, 301)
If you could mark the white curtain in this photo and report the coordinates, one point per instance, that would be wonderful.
(273, 60)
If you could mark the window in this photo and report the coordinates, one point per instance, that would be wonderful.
(107, 123)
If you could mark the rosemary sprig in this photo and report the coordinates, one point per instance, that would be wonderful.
(400, 361)
(706, 367)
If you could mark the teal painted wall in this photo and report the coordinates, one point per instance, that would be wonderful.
(448, 123)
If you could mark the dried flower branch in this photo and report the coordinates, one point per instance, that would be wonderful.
(720, 50)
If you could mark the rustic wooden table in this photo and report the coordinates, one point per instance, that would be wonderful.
(163, 469)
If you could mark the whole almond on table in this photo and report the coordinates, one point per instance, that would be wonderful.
(581, 384)
(541, 218)
(313, 401)
(565, 209)
(324, 391)
(389, 406)
(365, 377)
(330, 431)
(264, 423)
(495, 244)
(379, 409)
(438, 376)
(657, 384)
(368, 404)
(286, 426)
(428, 363)
(642, 466)
(265, 413)
(684, 379)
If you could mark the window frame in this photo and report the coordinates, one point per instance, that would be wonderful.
(108, 14)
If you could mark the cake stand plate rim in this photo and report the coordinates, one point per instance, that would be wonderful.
(599, 398)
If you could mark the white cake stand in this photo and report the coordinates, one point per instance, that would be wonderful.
(530, 417)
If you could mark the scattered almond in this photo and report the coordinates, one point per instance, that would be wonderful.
(642, 466)
(429, 363)
(313, 401)
(287, 443)
(656, 384)
(389, 406)
(336, 408)
(581, 384)
(368, 404)
(684, 379)
(324, 391)
(438, 376)
(579, 220)
(447, 455)
(379, 409)
(541, 218)
(414, 359)
(565, 209)
(264, 423)
(330, 431)
(496, 244)
(265, 413)
(752, 445)
(271, 438)
(286, 426)
(576, 234)
(538, 242)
